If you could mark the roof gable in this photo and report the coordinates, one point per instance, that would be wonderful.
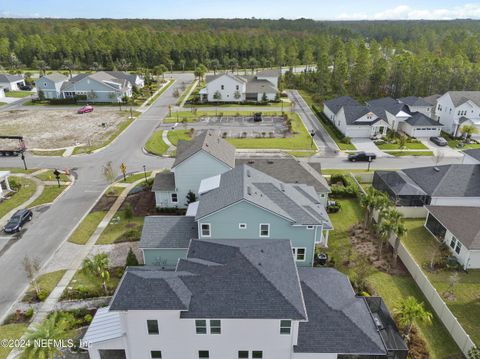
(337, 103)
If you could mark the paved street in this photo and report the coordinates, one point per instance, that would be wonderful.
(48, 231)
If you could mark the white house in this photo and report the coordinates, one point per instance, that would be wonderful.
(228, 87)
(419, 125)
(239, 299)
(4, 184)
(418, 104)
(11, 82)
(2, 92)
(353, 119)
(206, 155)
(395, 111)
(456, 108)
(459, 228)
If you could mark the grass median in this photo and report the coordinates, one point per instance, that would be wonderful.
(24, 193)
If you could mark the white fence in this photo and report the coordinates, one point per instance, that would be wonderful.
(446, 316)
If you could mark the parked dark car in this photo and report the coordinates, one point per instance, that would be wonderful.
(361, 157)
(16, 222)
(439, 141)
(26, 87)
(257, 117)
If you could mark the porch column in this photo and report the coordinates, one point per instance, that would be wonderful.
(7, 184)
(326, 237)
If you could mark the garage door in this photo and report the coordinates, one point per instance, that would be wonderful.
(358, 131)
(426, 131)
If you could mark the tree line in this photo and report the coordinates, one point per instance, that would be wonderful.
(362, 58)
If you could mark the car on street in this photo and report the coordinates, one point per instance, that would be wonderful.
(257, 117)
(439, 141)
(85, 109)
(16, 222)
(362, 157)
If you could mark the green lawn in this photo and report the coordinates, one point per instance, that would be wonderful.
(48, 153)
(177, 135)
(391, 288)
(84, 285)
(454, 143)
(330, 128)
(154, 98)
(18, 94)
(49, 176)
(466, 307)
(300, 140)
(46, 282)
(2, 103)
(26, 191)
(185, 93)
(408, 145)
(88, 226)
(191, 116)
(409, 153)
(121, 127)
(135, 177)
(18, 170)
(155, 144)
(10, 331)
(49, 194)
(116, 231)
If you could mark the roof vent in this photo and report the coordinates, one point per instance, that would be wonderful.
(436, 169)
(248, 173)
(261, 250)
(282, 187)
(251, 162)
(249, 190)
(270, 162)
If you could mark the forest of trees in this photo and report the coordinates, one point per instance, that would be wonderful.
(364, 59)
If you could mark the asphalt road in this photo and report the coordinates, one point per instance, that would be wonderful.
(48, 231)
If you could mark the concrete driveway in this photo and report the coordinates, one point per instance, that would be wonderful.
(367, 145)
(444, 151)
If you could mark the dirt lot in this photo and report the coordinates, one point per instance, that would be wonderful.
(52, 128)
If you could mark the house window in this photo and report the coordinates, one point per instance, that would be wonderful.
(206, 230)
(285, 326)
(435, 227)
(242, 226)
(215, 327)
(299, 254)
(309, 227)
(174, 198)
(237, 87)
(156, 354)
(243, 354)
(458, 248)
(223, 87)
(203, 354)
(264, 230)
(152, 327)
(453, 242)
(201, 326)
(257, 354)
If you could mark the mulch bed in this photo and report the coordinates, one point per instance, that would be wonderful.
(105, 203)
(143, 203)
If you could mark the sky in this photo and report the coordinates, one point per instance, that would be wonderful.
(272, 9)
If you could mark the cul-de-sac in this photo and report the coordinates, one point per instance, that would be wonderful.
(253, 180)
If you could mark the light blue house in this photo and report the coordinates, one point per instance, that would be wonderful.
(51, 85)
(242, 203)
(206, 155)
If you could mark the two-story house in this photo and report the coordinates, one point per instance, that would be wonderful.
(240, 299)
(206, 155)
(51, 85)
(243, 203)
(456, 108)
(229, 87)
(418, 104)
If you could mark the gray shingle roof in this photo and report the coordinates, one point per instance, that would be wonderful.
(210, 143)
(260, 86)
(354, 112)
(168, 232)
(337, 103)
(388, 104)
(123, 75)
(338, 321)
(56, 77)
(432, 100)
(414, 101)
(164, 181)
(10, 78)
(456, 180)
(287, 170)
(269, 73)
(220, 279)
(463, 222)
(460, 97)
(400, 184)
(251, 185)
(238, 78)
(475, 153)
(419, 119)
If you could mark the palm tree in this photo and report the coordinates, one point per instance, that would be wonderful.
(367, 202)
(408, 311)
(52, 328)
(396, 227)
(381, 202)
(98, 267)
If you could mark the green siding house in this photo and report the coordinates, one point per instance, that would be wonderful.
(243, 203)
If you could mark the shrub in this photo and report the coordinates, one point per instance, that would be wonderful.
(347, 188)
(42, 295)
(131, 259)
(346, 140)
(28, 313)
(14, 185)
(88, 318)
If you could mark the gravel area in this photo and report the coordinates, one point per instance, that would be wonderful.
(60, 128)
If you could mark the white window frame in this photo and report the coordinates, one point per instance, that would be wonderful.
(158, 328)
(260, 230)
(209, 229)
(151, 354)
(171, 197)
(295, 254)
(310, 227)
(284, 327)
(242, 226)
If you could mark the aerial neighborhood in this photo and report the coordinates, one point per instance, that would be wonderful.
(239, 188)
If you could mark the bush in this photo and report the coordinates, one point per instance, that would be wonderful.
(346, 189)
(131, 259)
(88, 318)
(42, 295)
(28, 313)
(14, 185)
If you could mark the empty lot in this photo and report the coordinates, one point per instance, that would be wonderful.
(52, 128)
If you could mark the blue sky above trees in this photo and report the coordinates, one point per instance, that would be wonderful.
(171, 9)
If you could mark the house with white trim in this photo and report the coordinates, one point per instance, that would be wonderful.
(11, 82)
(240, 299)
(230, 87)
(456, 108)
(51, 85)
(459, 228)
